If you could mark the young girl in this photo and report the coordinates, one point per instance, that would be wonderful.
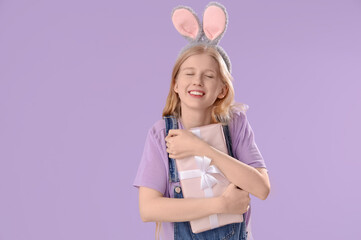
(201, 93)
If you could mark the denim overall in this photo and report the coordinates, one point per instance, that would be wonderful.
(182, 230)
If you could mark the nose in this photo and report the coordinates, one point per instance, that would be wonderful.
(198, 80)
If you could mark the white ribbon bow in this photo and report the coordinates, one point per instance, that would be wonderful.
(204, 171)
(207, 180)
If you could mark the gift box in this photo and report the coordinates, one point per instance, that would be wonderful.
(199, 179)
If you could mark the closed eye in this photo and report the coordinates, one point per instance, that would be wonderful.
(189, 74)
(210, 76)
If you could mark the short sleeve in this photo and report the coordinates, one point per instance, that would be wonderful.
(244, 144)
(151, 171)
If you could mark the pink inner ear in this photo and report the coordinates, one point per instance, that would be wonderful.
(185, 23)
(214, 22)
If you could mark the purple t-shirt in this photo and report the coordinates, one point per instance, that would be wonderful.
(153, 169)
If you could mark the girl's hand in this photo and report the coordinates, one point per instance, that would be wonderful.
(234, 200)
(182, 143)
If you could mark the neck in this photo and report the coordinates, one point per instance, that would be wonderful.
(195, 118)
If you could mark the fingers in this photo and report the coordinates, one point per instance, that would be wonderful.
(174, 132)
(232, 185)
(167, 138)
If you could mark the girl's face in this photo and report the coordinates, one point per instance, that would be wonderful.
(199, 73)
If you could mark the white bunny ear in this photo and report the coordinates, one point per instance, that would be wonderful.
(214, 21)
(186, 22)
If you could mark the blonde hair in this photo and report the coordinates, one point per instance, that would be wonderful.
(158, 226)
(222, 109)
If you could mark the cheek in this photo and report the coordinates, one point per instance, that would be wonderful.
(214, 87)
(181, 86)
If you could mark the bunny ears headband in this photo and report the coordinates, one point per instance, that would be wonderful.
(215, 20)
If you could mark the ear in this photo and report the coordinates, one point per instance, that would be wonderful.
(186, 22)
(214, 21)
(176, 87)
(223, 92)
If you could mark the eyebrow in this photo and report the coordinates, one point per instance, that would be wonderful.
(192, 68)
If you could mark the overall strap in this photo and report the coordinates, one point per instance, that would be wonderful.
(171, 122)
(228, 140)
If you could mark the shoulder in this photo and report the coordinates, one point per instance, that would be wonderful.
(238, 113)
(238, 118)
(157, 130)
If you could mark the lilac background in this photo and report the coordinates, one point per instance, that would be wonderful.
(81, 82)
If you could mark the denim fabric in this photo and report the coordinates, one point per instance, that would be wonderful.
(182, 230)
(171, 123)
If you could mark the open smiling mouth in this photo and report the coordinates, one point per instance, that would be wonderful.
(197, 94)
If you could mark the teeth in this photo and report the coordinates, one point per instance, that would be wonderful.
(196, 93)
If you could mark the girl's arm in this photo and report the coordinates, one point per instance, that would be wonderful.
(250, 179)
(182, 143)
(156, 208)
